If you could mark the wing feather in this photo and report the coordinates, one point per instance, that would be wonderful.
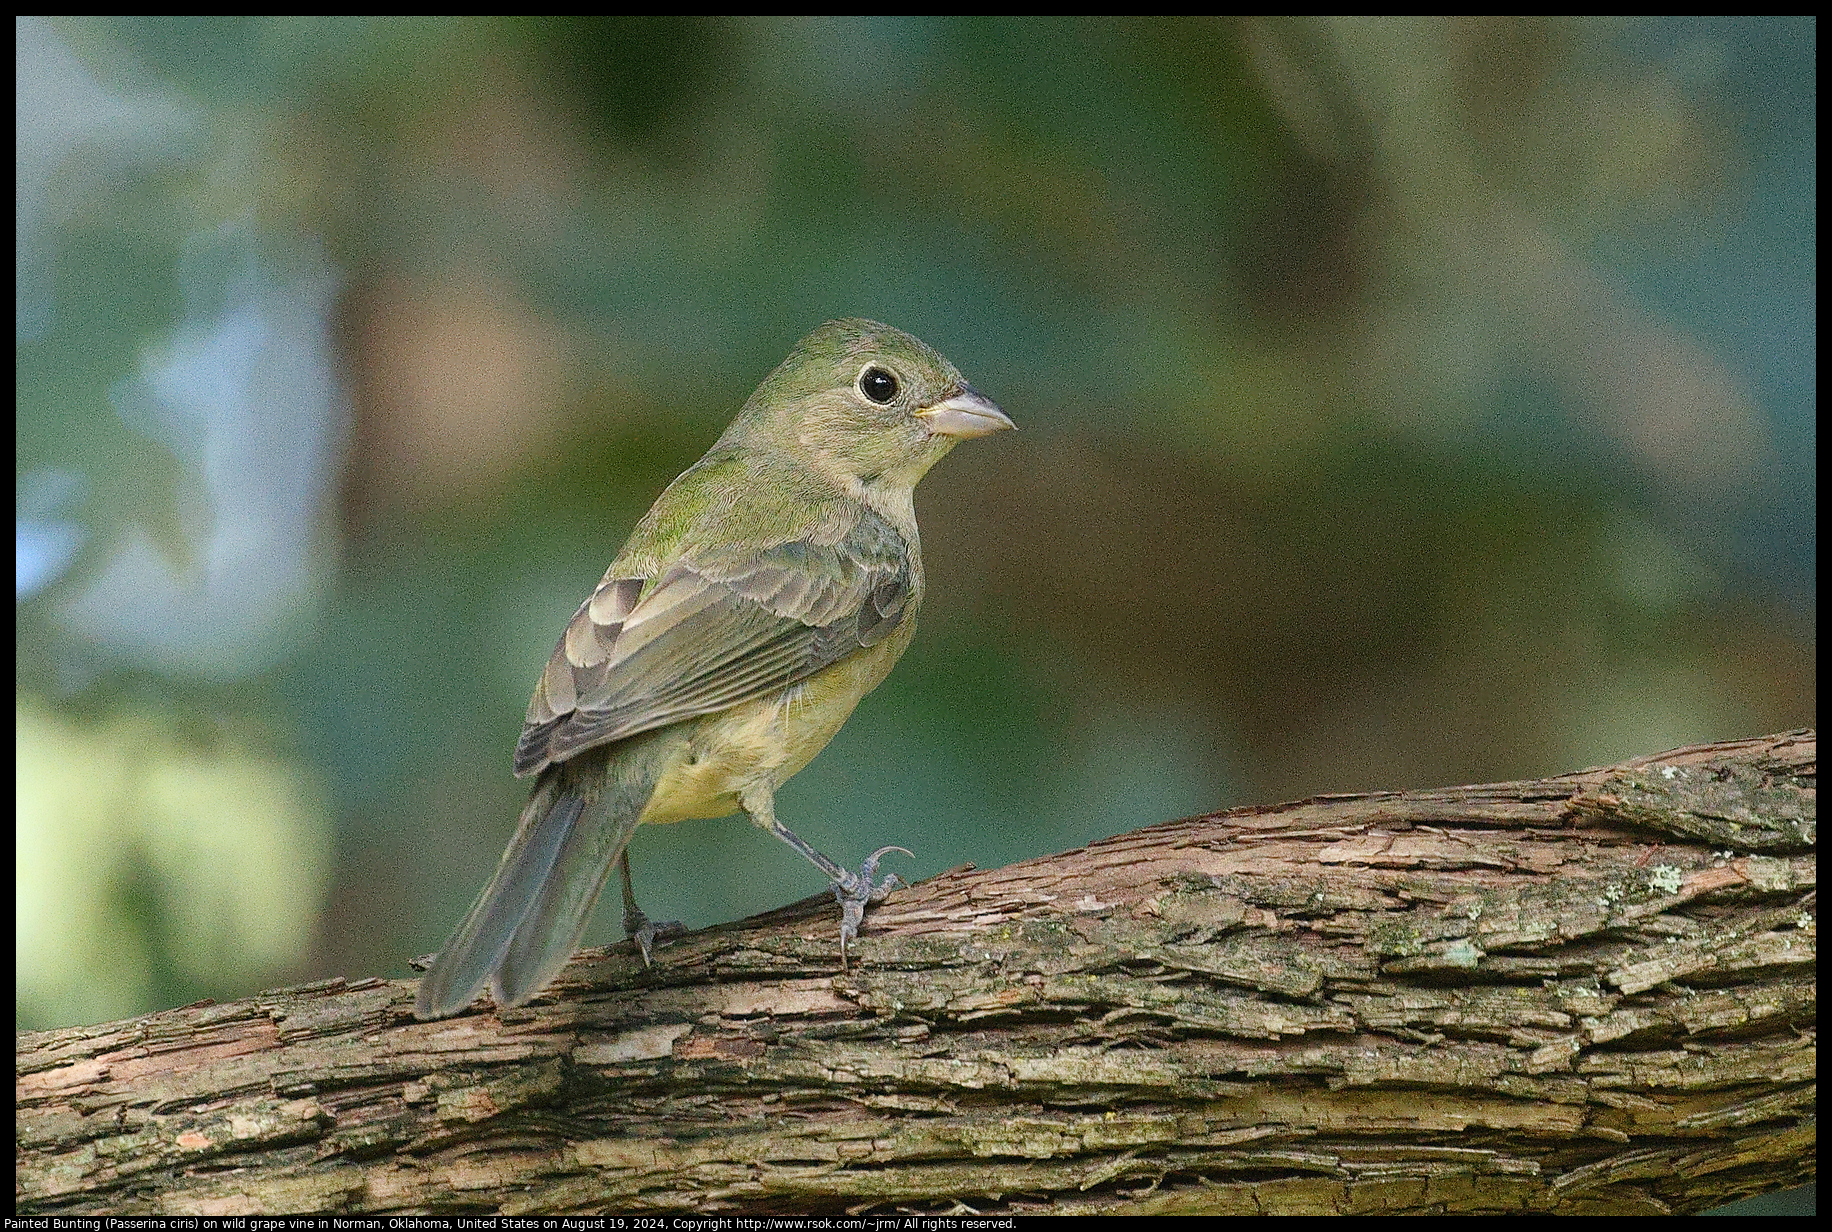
(709, 633)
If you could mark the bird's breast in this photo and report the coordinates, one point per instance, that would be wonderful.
(767, 740)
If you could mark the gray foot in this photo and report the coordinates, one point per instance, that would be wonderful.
(855, 890)
(645, 933)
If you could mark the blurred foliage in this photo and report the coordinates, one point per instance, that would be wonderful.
(1402, 402)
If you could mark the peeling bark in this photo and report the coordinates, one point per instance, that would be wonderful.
(1586, 994)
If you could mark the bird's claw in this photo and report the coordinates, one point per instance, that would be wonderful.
(856, 890)
(645, 933)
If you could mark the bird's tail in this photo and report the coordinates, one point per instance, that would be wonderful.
(527, 922)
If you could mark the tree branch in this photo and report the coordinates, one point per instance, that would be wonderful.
(1586, 994)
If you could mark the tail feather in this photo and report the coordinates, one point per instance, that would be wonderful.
(556, 919)
(527, 922)
(466, 960)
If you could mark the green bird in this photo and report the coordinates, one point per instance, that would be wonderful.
(770, 587)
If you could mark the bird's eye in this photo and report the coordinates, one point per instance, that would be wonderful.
(878, 385)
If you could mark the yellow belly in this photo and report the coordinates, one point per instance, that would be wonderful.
(764, 742)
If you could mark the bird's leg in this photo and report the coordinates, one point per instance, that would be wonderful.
(853, 890)
(637, 926)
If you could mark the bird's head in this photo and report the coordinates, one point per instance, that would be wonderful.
(867, 403)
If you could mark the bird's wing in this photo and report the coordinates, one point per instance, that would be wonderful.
(711, 632)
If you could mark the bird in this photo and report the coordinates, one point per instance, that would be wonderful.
(770, 587)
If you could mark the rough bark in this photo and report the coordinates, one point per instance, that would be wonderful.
(1587, 994)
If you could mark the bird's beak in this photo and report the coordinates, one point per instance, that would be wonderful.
(966, 415)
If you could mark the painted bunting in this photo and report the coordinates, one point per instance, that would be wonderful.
(771, 586)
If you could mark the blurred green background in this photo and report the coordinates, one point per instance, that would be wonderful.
(1403, 402)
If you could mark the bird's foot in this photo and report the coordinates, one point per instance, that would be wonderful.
(856, 890)
(645, 933)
